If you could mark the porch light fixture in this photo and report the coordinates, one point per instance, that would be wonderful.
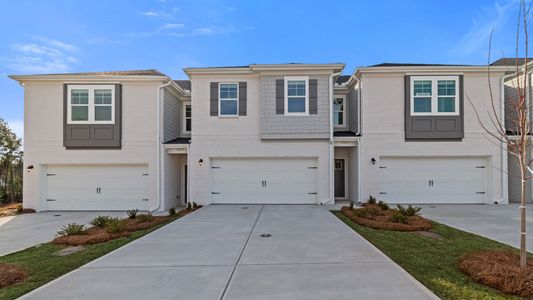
(29, 168)
(373, 160)
(200, 162)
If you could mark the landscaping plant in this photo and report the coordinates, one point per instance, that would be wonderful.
(409, 211)
(100, 221)
(147, 217)
(172, 211)
(398, 217)
(72, 229)
(383, 205)
(20, 209)
(371, 200)
(116, 225)
(132, 213)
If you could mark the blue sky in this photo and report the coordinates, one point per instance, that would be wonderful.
(70, 36)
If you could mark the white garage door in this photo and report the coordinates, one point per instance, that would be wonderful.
(434, 180)
(78, 187)
(244, 180)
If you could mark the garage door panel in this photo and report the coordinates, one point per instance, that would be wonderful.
(434, 180)
(264, 180)
(82, 187)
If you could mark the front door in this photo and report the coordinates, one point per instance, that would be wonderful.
(339, 179)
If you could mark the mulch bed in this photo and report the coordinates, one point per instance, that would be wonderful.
(500, 270)
(11, 210)
(381, 220)
(95, 235)
(11, 274)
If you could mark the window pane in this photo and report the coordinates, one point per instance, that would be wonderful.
(79, 96)
(296, 87)
(188, 125)
(228, 107)
(446, 87)
(187, 111)
(337, 118)
(228, 91)
(338, 105)
(102, 113)
(296, 105)
(446, 104)
(422, 105)
(80, 113)
(102, 96)
(422, 88)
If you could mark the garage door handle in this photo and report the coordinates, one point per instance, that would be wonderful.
(50, 199)
(315, 193)
(215, 193)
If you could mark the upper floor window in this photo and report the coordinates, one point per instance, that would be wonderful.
(229, 99)
(437, 95)
(296, 95)
(339, 112)
(187, 117)
(91, 104)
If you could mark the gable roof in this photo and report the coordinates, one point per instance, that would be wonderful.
(510, 61)
(184, 84)
(343, 79)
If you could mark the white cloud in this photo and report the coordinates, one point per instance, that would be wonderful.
(149, 13)
(155, 14)
(171, 26)
(205, 31)
(493, 17)
(45, 56)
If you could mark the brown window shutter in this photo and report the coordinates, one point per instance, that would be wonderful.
(313, 96)
(243, 94)
(280, 96)
(214, 99)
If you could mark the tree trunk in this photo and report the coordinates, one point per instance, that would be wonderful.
(523, 251)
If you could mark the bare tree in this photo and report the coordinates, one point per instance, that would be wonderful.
(514, 132)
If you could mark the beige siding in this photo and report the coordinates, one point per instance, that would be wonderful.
(171, 116)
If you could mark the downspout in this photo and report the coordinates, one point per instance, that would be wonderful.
(358, 134)
(331, 153)
(159, 142)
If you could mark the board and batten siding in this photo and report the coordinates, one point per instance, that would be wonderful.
(352, 113)
(280, 126)
(172, 116)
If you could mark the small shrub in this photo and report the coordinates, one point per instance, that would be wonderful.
(371, 200)
(172, 211)
(72, 229)
(19, 208)
(116, 225)
(148, 217)
(351, 205)
(189, 206)
(194, 205)
(409, 211)
(100, 221)
(132, 213)
(398, 217)
(383, 205)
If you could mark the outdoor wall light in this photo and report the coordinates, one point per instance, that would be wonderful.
(200, 162)
(29, 168)
(373, 160)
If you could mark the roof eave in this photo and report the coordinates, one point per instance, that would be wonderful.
(391, 69)
(67, 77)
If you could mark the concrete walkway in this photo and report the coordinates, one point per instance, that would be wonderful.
(218, 253)
(497, 222)
(23, 231)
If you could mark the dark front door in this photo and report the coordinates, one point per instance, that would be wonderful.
(339, 178)
(185, 183)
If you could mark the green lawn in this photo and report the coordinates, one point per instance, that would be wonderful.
(43, 267)
(434, 262)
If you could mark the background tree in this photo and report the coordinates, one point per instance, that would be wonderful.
(514, 132)
(10, 165)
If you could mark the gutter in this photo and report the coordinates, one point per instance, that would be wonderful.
(159, 148)
(331, 153)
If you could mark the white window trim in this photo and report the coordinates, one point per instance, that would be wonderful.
(185, 103)
(228, 99)
(91, 104)
(286, 88)
(343, 97)
(434, 96)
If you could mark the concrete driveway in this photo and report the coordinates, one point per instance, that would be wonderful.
(497, 222)
(218, 253)
(23, 231)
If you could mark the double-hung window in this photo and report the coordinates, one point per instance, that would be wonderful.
(229, 99)
(339, 112)
(435, 95)
(296, 95)
(91, 104)
(187, 116)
